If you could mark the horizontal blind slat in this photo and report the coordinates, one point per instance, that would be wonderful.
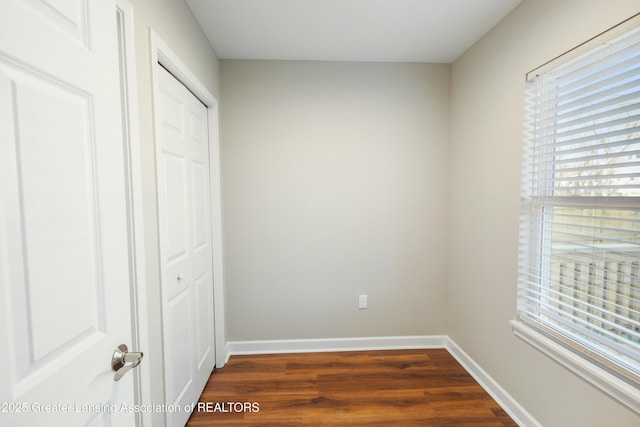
(561, 163)
(567, 106)
(570, 119)
(599, 58)
(602, 340)
(554, 116)
(543, 155)
(568, 315)
(579, 250)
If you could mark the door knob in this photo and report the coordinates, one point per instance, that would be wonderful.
(123, 361)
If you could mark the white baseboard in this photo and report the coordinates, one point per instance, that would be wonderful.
(504, 399)
(335, 344)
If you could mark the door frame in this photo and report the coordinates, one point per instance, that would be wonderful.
(135, 219)
(163, 55)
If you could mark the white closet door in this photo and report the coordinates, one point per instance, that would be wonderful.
(185, 243)
(64, 263)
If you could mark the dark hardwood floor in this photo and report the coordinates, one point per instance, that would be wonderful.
(364, 388)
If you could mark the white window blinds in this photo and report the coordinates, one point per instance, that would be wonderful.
(579, 265)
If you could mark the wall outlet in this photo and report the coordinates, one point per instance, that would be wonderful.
(362, 301)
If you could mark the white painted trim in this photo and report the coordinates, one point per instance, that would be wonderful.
(500, 395)
(139, 316)
(161, 53)
(605, 381)
(335, 344)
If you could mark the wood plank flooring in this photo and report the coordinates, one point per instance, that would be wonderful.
(363, 388)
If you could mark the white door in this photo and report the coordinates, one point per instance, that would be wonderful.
(185, 243)
(64, 264)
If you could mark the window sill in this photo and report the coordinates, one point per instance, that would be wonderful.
(615, 387)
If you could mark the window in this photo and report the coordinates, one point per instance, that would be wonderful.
(579, 264)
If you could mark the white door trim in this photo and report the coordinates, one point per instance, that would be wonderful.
(162, 54)
(131, 137)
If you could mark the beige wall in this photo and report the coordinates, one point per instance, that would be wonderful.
(173, 21)
(334, 185)
(484, 173)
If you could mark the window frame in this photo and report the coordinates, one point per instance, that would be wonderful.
(585, 363)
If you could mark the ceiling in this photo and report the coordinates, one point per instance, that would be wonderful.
(347, 30)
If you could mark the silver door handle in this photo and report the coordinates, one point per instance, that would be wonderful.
(123, 361)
